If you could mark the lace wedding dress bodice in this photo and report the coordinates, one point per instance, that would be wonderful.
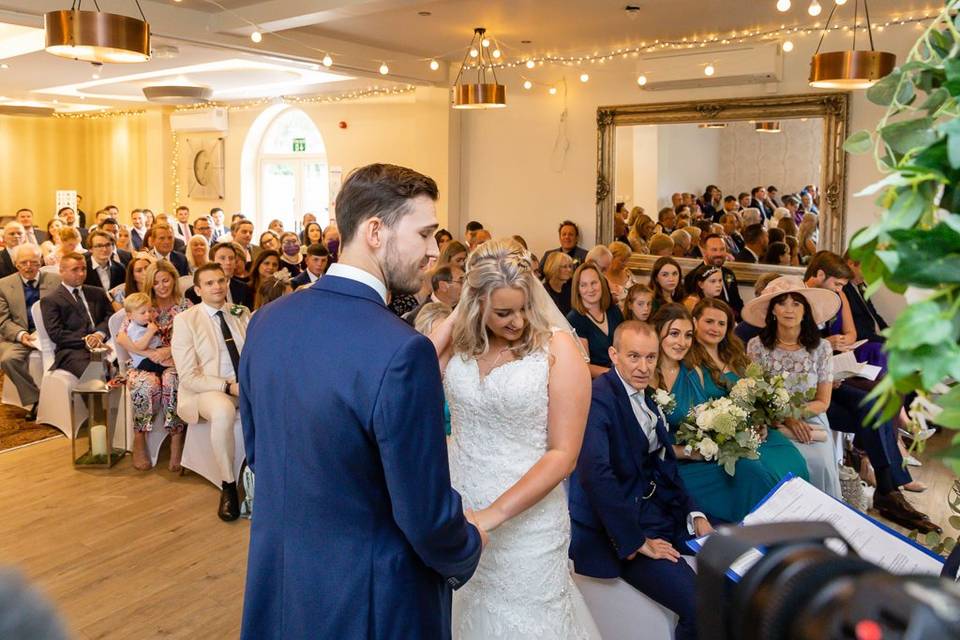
(522, 587)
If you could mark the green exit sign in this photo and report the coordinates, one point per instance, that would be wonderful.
(299, 144)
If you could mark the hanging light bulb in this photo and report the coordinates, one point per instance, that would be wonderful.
(814, 9)
(788, 46)
(783, 5)
(531, 64)
(327, 61)
(852, 68)
(485, 43)
(384, 69)
(480, 93)
(527, 85)
(709, 70)
(584, 77)
(641, 80)
(496, 53)
(434, 65)
(474, 53)
(256, 36)
(553, 91)
(840, 3)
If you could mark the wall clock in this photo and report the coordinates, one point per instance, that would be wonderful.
(206, 168)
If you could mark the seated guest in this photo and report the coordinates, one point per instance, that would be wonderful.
(712, 203)
(217, 230)
(665, 282)
(660, 245)
(270, 240)
(867, 320)
(456, 253)
(694, 232)
(138, 229)
(638, 303)
(630, 512)
(69, 243)
(198, 252)
(778, 253)
(794, 247)
(49, 246)
(807, 203)
(446, 283)
(806, 237)
(731, 233)
(238, 291)
(271, 288)
(241, 232)
(714, 250)
(75, 316)
(133, 279)
(478, 238)
(312, 234)
(775, 234)
(203, 227)
(557, 279)
(667, 220)
(442, 236)
(600, 256)
(13, 235)
(290, 257)
(69, 218)
(160, 239)
(744, 330)
(730, 205)
(788, 226)
(241, 270)
(264, 265)
(207, 341)
(620, 230)
(640, 234)
(709, 284)
(695, 379)
(744, 200)
(120, 254)
(750, 216)
(789, 343)
(181, 224)
(569, 237)
(758, 200)
(755, 244)
(102, 270)
(30, 233)
(331, 240)
(179, 245)
(315, 265)
(593, 315)
(681, 243)
(773, 196)
(618, 275)
(18, 293)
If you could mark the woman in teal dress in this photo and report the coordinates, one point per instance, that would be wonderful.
(721, 496)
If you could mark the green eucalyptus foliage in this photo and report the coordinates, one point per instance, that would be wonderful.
(916, 242)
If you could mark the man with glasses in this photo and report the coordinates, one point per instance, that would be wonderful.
(102, 270)
(111, 226)
(202, 227)
(18, 293)
(446, 282)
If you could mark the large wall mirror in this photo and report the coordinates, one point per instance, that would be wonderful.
(647, 153)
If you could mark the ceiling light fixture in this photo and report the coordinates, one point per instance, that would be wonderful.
(814, 9)
(709, 70)
(841, 2)
(384, 69)
(481, 94)
(641, 80)
(256, 36)
(327, 61)
(527, 85)
(783, 5)
(584, 77)
(434, 65)
(851, 69)
(531, 64)
(178, 94)
(552, 91)
(788, 46)
(97, 36)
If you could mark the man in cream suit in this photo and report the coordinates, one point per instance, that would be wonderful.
(18, 292)
(206, 344)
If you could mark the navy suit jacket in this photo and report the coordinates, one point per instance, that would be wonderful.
(300, 279)
(118, 274)
(611, 514)
(66, 322)
(358, 533)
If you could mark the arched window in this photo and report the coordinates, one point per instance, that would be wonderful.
(292, 175)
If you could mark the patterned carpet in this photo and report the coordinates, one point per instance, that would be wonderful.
(14, 431)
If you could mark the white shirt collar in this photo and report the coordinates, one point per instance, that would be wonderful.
(212, 311)
(359, 275)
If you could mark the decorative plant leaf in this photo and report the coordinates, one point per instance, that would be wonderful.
(860, 142)
(935, 100)
(932, 539)
(920, 323)
(907, 135)
(883, 92)
(926, 257)
(955, 522)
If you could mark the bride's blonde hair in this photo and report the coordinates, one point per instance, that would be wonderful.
(500, 264)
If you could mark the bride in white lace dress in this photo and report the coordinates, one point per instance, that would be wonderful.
(519, 393)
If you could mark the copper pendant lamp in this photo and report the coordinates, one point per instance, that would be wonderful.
(97, 36)
(853, 69)
(481, 94)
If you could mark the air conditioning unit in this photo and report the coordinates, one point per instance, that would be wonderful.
(208, 120)
(744, 64)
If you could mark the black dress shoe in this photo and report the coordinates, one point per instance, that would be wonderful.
(32, 414)
(229, 509)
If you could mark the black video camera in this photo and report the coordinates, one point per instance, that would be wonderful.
(801, 589)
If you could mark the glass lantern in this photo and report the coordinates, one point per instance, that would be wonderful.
(103, 402)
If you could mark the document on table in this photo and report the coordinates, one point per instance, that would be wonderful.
(796, 500)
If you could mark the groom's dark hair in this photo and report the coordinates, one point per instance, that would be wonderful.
(381, 190)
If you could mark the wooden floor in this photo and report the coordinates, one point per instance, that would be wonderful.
(124, 554)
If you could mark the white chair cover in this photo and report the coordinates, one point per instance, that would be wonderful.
(55, 386)
(158, 434)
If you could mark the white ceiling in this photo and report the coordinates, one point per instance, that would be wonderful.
(360, 34)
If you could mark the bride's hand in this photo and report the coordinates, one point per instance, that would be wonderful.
(471, 517)
(487, 519)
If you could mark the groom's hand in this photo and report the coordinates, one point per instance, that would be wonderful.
(472, 519)
(657, 549)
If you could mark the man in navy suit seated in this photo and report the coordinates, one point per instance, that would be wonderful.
(630, 511)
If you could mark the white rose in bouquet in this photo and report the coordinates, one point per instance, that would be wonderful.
(708, 449)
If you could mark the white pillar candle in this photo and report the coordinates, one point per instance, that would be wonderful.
(98, 439)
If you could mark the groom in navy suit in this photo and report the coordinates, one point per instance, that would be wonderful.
(630, 511)
(357, 532)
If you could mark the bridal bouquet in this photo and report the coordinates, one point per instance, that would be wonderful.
(720, 430)
(766, 398)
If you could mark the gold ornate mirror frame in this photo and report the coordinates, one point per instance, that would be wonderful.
(832, 107)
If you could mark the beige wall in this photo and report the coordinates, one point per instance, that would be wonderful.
(107, 161)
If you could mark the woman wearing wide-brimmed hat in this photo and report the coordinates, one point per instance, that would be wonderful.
(790, 344)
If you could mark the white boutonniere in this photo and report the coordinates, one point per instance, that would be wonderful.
(236, 310)
(665, 400)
